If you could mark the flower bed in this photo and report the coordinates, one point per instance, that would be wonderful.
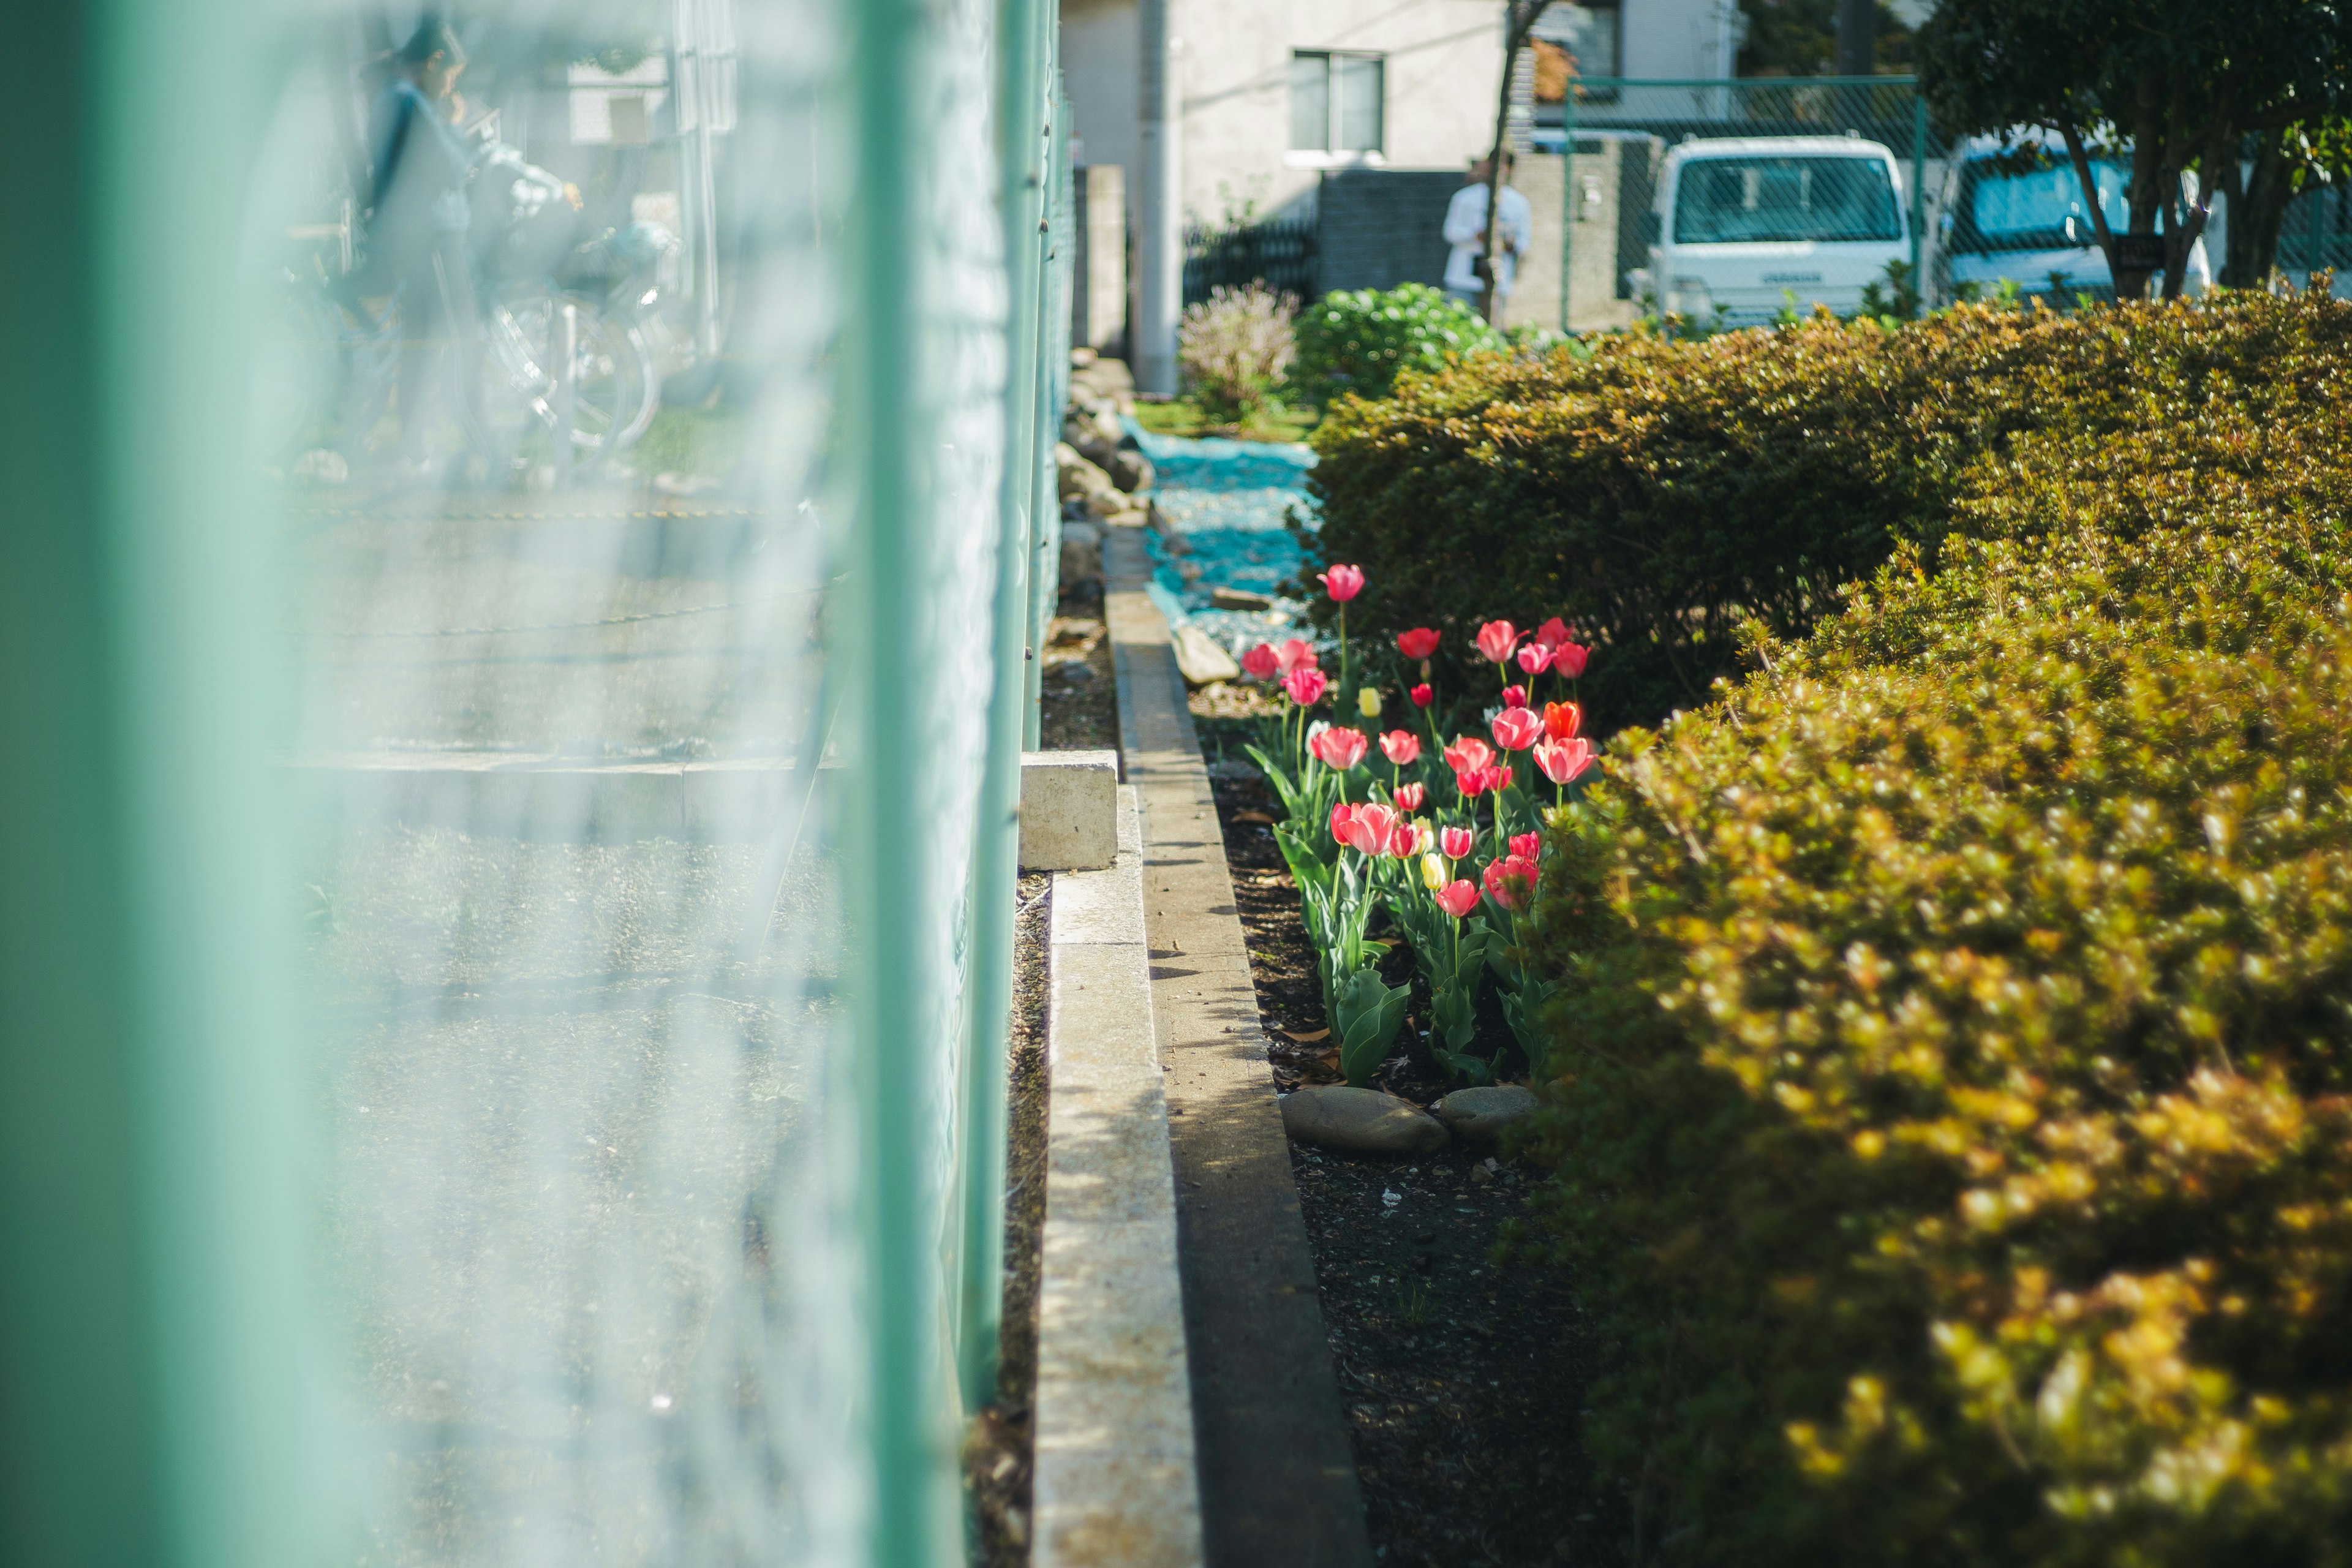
(1444, 850)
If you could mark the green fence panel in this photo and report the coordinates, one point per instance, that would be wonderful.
(518, 574)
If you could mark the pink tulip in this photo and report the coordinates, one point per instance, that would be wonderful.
(1509, 881)
(1496, 639)
(1261, 662)
(1534, 657)
(1516, 729)
(1514, 697)
(1457, 899)
(1410, 796)
(1417, 644)
(1473, 782)
(1305, 684)
(1551, 634)
(1527, 845)
(1401, 747)
(1563, 761)
(1294, 652)
(1368, 833)
(1562, 720)
(1421, 695)
(1466, 753)
(1499, 778)
(1567, 660)
(1337, 748)
(1343, 821)
(1343, 583)
(1453, 843)
(1404, 841)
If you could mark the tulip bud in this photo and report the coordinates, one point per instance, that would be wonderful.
(1433, 872)
(1368, 702)
(1423, 696)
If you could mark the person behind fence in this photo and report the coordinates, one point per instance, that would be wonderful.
(1466, 231)
(417, 232)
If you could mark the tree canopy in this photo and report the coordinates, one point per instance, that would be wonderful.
(2186, 84)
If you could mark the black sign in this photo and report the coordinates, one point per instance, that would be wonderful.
(2139, 253)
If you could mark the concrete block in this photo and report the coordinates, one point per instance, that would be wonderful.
(1069, 808)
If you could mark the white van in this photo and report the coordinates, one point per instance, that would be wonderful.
(2016, 214)
(1744, 223)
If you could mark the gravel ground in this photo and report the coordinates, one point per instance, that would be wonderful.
(1462, 1376)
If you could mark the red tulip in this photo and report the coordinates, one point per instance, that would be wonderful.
(1404, 841)
(1368, 830)
(1418, 642)
(1422, 696)
(1514, 697)
(1534, 657)
(1261, 662)
(1305, 684)
(1563, 761)
(1496, 639)
(1337, 748)
(1516, 729)
(1509, 881)
(1473, 782)
(1468, 752)
(1401, 747)
(1562, 720)
(1294, 652)
(1453, 843)
(1499, 778)
(1410, 796)
(1567, 660)
(1527, 845)
(1456, 899)
(1343, 818)
(1343, 583)
(1551, 634)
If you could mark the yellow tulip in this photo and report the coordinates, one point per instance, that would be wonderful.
(1368, 702)
(1433, 872)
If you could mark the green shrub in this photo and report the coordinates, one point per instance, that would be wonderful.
(1954, 1132)
(1356, 343)
(1661, 495)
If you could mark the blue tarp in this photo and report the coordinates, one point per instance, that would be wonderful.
(1231, 504)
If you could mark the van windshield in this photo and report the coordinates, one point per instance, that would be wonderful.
(1720, 201)
(2036, 202)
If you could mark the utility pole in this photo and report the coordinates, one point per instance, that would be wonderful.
(1856, 36)
(1159, 245)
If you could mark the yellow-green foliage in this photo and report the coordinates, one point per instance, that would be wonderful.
(1660, 494)
(1955, 1143)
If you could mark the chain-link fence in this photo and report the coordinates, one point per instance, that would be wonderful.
(523, 928)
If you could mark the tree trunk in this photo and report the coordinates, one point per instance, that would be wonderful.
(2255, 220)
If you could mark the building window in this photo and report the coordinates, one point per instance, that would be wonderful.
(1336, 102)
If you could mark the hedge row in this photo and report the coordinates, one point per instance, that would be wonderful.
(1660, 494)
(1954, 1129)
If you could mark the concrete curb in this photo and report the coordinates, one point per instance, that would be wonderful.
(1115, 1485)
(1276, 1468)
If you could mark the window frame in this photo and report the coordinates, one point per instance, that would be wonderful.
(1331, 152)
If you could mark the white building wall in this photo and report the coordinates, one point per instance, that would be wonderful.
(1680, 40)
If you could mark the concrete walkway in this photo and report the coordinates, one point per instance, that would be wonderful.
(1277, 1475)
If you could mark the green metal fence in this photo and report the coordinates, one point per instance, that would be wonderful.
(1632, 124)
(509, 932)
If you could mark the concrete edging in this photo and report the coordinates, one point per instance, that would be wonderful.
(1116, 1481)
(1277, 1468)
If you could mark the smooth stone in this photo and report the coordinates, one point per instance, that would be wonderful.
(1226, 598)
(1481, 1114)
(1202, 659)
(1336, 1116)
(1131, 470)
(1075, 477)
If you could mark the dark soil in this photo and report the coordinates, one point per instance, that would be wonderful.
(1081, 684)
(1462, 1378)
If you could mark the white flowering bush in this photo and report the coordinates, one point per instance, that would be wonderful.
(1235, 348)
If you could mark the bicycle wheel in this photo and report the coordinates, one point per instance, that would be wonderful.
(522, 398)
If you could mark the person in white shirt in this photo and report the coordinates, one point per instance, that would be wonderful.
(1466, 231)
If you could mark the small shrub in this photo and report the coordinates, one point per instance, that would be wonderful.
(1357, 342)
(1661, 495)
(1235, 348)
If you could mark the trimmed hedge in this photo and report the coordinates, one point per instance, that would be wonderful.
(1660, 494)
(1954, 1128)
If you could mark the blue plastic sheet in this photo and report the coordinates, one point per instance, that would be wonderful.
(1226, 510)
